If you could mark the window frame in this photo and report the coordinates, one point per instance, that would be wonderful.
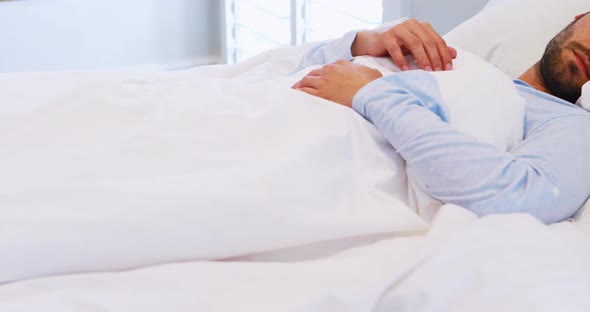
(299, 33)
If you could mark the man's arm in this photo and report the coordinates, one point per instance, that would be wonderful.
(544, 176)
(395, 39)
(328, 51)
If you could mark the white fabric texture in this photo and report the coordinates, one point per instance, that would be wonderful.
(582, 218)
(499, 263)
(584, 99)
(139, 170)
(513, 34)
(120, 171)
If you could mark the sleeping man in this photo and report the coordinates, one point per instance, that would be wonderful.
(545, 175)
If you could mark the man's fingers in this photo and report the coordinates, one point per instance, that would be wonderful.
(311, 91)
(411, 37)
(421, 41)
(414, 45)
(429, 45)
(396, 53)
(305, 85)
(453, 52)
(308, 82)
(316, 72)
(443, 51)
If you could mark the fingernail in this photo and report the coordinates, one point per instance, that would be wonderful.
(428, 68)
(405, 68)
(438, 69)
(449, 66)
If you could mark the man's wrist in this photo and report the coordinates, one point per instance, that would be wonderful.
(359, 44)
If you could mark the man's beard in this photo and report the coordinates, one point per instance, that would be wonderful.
(557, 74)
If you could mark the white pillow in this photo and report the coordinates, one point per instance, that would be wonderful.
(583, 218)
(513, 34)
(584, 100)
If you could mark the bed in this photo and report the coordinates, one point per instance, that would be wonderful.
(127, 191)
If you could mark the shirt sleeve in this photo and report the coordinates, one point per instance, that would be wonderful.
(328, 51)
(537, 177)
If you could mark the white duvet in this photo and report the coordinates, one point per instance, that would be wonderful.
(121, 171)
(499, 263)
(115, 171)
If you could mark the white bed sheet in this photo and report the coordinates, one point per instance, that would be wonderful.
(499, 263)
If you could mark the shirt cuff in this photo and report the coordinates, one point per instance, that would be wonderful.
(374, 87)
(344, 45)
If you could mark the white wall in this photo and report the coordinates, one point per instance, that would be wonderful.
(444, 15)
(147, 34)
(101, 34)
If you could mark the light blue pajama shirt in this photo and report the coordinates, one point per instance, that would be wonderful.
(546, 175)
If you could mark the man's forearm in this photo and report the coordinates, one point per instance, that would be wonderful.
(353, 43)
(328, 51)
(452, 166)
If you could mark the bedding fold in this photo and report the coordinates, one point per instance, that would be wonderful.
(116, 171)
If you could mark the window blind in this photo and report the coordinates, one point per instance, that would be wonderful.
(254, 26)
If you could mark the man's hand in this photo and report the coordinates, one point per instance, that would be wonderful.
(408, 38)
(337, 82)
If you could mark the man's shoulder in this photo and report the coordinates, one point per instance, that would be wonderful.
(543, 109)
(557, 120)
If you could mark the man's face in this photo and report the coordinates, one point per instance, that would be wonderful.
(565, 66)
